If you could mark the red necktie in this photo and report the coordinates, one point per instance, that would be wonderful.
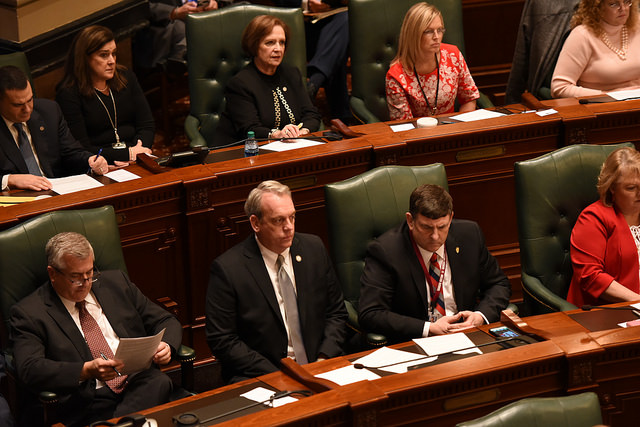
(98, 344)
(437, 298)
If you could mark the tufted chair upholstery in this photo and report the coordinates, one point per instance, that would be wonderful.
(18, 59)
(215, 55)
(374, 28)
(360, 209)
(23, 269)
(568, 411)
(551, 191)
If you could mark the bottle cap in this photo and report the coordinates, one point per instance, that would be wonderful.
(251, 134)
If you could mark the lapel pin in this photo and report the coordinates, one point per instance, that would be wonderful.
(298, 258)
(457, 249)
(41, 128)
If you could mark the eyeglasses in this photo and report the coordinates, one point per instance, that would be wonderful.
(618, 5)
(431, 32)
(79, 279)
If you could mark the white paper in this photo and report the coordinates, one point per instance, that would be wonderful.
(636, 305)
(290, 144)
(546, 112)
(70, 184)
(348, 375)
(260, 394)
(121, 175)
(385, 356)
(441, 344)
(480, 114)
(621, 95)
(402, 127)
(137, 353)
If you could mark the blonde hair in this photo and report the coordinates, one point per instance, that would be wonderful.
(620, 162)
(415, 22)
(589, 15)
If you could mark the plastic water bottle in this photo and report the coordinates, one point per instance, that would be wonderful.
(251, 145)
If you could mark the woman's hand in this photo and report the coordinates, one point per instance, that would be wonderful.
(137, 149)
(289, 131)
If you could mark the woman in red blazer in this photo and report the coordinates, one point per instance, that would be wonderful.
(605, 242)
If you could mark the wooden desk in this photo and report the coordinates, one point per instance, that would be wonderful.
(174, 224)
(572, 360)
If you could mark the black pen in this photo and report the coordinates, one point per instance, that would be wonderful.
(113, 367)
(97, 155)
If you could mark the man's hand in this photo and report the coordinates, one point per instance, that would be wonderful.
(471, 319)
(98, 165)
(101, 369)
(212, 5)
(28, 182)
(163, 354)
(317, 6)
(444, 324)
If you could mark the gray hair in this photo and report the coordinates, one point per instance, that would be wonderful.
(67, 243)
(253, 205)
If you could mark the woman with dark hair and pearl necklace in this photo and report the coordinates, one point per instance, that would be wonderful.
(102, 101)
(597, 55)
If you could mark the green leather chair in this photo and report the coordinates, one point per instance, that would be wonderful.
(18, 59)
(215, 55)
(23, 268)
(580, 410)
(362, 208)
(551, 191)
(374, 28)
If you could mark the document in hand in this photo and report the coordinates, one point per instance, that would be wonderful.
(137, 353)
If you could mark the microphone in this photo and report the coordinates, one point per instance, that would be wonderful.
(591, 101)
(500, 341)
(626, 307)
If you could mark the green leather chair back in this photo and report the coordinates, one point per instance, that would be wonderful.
(23, 262)
(215, 55)
(579, 410)
(18, 59)
(374, 28)
(362, 208)
(551, 191)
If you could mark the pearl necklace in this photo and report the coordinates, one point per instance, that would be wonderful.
(621, 52)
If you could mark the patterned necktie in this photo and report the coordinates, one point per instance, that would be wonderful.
(27, 151)
(291, 311)
(98, 344)
(434, 281)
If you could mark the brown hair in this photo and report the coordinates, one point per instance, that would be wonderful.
(77, 70)
(589, 15)
(415, 22)
(259, 28)
(431, 201)
(622, 161)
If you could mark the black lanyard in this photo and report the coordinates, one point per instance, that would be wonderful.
(435, 104)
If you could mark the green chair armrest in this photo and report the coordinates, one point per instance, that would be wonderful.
(544, 93)
(361, 112)
(376, 340)
(544, 296)
(186, 355)
(191, 128)
(352, 320)
(484, 101)
(513, 308)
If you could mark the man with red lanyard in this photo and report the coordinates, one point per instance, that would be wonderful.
(431, 275)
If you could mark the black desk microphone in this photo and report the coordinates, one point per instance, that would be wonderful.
(626, 307)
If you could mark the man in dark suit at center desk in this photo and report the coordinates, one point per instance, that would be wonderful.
(35, 141)
(275, 295)
(430, 275)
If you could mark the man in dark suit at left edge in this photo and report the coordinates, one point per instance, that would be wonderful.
(35, 141)
(62, 330)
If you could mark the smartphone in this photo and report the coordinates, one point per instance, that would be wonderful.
(503, 332)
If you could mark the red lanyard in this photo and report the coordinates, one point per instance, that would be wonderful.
(433, 293)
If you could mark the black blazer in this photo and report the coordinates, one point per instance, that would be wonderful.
(244, 327)
(49, 349)
(393, 299)
(60, 154)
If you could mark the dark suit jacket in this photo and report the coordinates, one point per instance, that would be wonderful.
(245, 329)
(393, 299)
(60, 154)
(50, 351)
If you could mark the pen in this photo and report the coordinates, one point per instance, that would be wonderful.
(300, 125)
(106, 358)
(97, 155)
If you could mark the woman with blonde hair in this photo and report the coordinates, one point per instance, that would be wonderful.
(605, 241)
(427, 76)
(597, 55)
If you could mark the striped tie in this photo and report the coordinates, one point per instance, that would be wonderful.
(434, 281)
